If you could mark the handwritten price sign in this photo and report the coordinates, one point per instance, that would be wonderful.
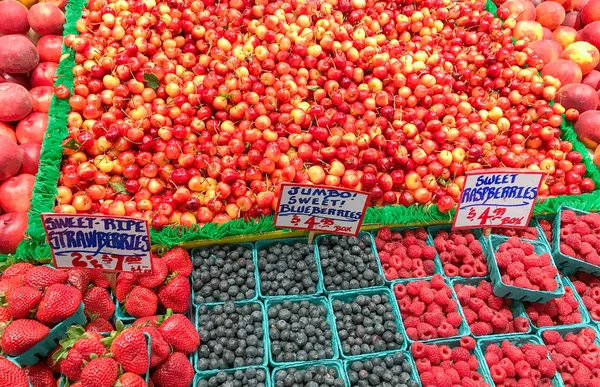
(98, 242)
(498, 198)
(321, 208)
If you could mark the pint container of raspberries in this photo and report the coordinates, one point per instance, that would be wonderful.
(252, 376)
(396, 368)
(576, 242)
(523, 270)
(328, 373)
(545, 225)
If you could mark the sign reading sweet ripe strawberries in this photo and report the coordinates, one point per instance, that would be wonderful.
(110, 243)
(498, 198)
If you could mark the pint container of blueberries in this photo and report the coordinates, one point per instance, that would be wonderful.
(339, 380)
(219, 378)
(363, 264)
(208, 275)
(390, 359)
(309, 279)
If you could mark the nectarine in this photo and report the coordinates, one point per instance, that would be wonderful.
(521, 9)
(584, 54)
(550, 14)
(577, 96)
(566, 71)
(587, 128)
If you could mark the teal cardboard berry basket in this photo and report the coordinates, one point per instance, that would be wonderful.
(209, 375)
(509, 291)
(550, 219)
(328, 317)
(261, 245)
(414, 374)
(331, 364)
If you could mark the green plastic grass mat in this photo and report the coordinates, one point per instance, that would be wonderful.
(44, 193)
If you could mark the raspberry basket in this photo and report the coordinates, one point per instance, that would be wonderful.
(437, 263)
(265, 327)
(336, 364)
(463, 329)
(414, 374)
(565, 330)
(260, 245)
(567, 264)
(346, 296)
(313, 300)
(542, 236)
(517, 308)
(208, 375)
(508, 291)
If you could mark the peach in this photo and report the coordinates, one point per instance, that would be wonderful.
(591, 34)
(550, 14)
(591, 12)
(573, 20)
(578, 5)
(587, 128)
(521, 9)
(592, 79)
(577, 96)
(547, 35)
(547, 50)
(564, 70)
(527, 29)
(584, 54)
(565, 35)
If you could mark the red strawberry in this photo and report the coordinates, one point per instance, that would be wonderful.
(158, 276)
(11, 375)
(149, 320)
(130, 349)
(4, 314)
(175, 294)
(16, 270)
(40, 375)
(22, 301)
(178, 260)
(100, 372)
(20, 335)
(141, 302)
(159, 347)
(99, 325)
(9, 285)
(98, 278)
(98, 302)
(79, 278)
(176, 371)
(76, 349)
(59, 303)
(129, 379)
(180, 333)
(40, 277)
(125, 284)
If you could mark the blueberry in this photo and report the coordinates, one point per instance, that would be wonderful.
(250, 377)
(232, 336)
(294, 341)
(312, 376)
(389, 370)
(287, 270)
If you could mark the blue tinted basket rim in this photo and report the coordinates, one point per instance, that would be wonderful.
(254, 261)
(337, 364)
(346, 294)
(208, 375)
(414, 374)
(516, 307)
(566, 263)
(454, 342)
(329, 318)
(463, 329)
(549, 218)
(429, 241)
(318, 258)
(520, 293)
(265, 333)
(260, 245)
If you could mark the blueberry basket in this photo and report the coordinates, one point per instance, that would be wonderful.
(265, 336)
(414, 375)
(260, 245)
(568, 264)
(249, 246)
(346, 296)
(335, 364)
(517, 340)
(318, 258)
(330, 320)
(516, 307)
(209, 375)
(508, 291)
(463, 329)
(44, 347)
(429, 241)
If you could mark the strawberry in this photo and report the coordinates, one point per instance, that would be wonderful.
(11, 375)
(141, 302)
(130, 349)
(155, 321)
(40, 375)
(79, 278)
(159, 348)
(77, 348)
(180, 333)
(129, 379)
(4, 314)
(20, 335)
(17, 270)
(99, 325)
(176, 371)
(98, 278)
(175, 294)
(178, 260)
(9, 285)
(100, 372)
(125, 284)
(22, 301)
(98, 303)
(40, 277)
(158, 276)
(59, 303)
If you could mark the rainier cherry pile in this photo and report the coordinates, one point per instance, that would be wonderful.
(192, 112)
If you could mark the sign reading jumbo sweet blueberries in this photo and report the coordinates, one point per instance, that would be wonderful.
(98, 242)
(321, 208)
(498, 198)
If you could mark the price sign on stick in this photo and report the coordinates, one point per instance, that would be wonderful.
(498, 198)
(321, 208)
(113, 244)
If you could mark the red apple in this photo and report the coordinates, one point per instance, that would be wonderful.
(12, 231)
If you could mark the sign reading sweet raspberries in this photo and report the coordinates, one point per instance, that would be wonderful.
(498, 198)
(321, 208)
(98, 242)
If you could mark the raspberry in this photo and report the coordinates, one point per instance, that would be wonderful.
(512, 352)
(467, 342)
(426, 331)
(411, 321)
(433, 354)
(454, 319)
(565, 348)
(535, 275)
(532, 357)
(463, 369)
(427, 378)
(428, 252)
(484, 290)
(429, 267)
(470, 316)
(446, 330)
(451, 270)
(414, 251)
(486, 314)
(515, 269)
(417, 308)
(500, 323)
(481, 329)
(434, 319)
(567, 250)
(497, 373)
(544, 321)
(522, 282)
(573, 241)
(475, 248)
(567, 217)
(531, 261)
(523, 369)
(437, 282)
(418, 350)
(460, 353)
(413, 288)
(521, 324)
(427, 295)
(466, 271)
(581, 228)
(549, 285)
(508, 366)
(495, 303)
(551, 337)
(491, 359)
(586, 249)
